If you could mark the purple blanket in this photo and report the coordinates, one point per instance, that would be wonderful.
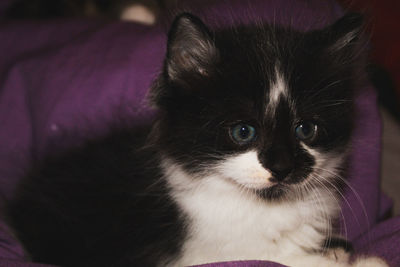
(78, 75)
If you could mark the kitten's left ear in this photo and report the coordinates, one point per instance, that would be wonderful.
(190, 49)
(345, 33)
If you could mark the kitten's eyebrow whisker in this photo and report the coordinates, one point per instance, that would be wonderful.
(333, 104)
(336, 100)
(324, 88)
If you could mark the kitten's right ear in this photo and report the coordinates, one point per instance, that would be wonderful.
(345, 33)
(190, 48)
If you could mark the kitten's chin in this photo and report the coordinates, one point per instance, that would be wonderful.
(258, 186)
(275, 192)
(268, 190)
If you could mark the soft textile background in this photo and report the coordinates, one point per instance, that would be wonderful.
(79, 75)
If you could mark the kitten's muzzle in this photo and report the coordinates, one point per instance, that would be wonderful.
(280, 175)
(281, 163)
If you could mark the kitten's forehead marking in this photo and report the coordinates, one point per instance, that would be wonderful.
(278, 89)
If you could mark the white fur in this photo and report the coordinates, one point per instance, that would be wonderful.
(278, 89)
(326, 165)
(228, 222)
(246, 170)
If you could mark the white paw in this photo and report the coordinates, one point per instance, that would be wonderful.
(338, 254)
(369, 262)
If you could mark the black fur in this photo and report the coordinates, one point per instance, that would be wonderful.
(230, 82)
(106, 203)
(102, 204)
(333, 243)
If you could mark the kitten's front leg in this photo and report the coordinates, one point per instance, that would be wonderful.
(338, 249)
(321, 260)
(369, 262)
(338, 254)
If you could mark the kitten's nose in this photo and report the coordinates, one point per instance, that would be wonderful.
(280, 172)
(281, 165)
(279, 159)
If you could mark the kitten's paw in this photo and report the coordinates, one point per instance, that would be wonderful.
(369, 262)
(338, 254)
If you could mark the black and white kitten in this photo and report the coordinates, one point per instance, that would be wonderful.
(243, 161)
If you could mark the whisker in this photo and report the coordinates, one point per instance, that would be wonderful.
(346, 201)
(329, 191)
(352, 190)
(318, 203)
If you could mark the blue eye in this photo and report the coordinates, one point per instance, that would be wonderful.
(243, 133)
(306, 131)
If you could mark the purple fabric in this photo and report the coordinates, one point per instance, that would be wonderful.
(65, 76)
(383, 241)
(242, 264)
(80, 75)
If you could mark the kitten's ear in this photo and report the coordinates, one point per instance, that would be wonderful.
(190, 49)
(345, 33)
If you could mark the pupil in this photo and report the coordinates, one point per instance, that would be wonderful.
(306, 129)
(244, 132)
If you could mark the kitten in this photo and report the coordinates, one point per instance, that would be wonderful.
(242, 162)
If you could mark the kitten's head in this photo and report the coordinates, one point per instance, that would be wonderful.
(263, 107)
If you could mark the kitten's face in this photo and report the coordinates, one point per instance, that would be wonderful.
(266, 109)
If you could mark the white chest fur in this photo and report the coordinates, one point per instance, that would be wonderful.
(229, 223)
